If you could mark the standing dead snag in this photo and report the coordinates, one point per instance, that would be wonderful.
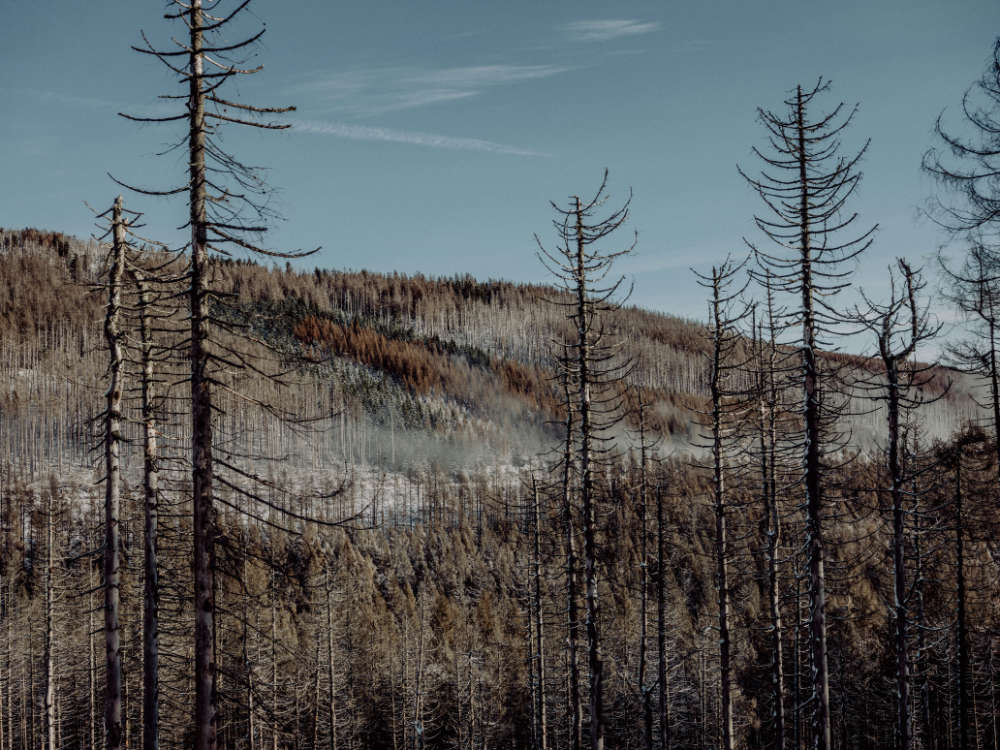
(575, 707)
(973, 169)
(596, 369)
(899, 326)
(646, 446)
(805, 184)
(975, 290)
(765, 401)
(113, 422)
(725, 360)
(226, 207)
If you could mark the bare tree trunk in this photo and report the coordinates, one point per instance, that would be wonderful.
(539, 627)
(332, 704)
(151, 583)
(962, 638)
(822, 739)
(904, 732)
(587, 493)
(92, 666)
(50, 672)
(661, 624)
(206, 700)
(112, 497)
(645, 693)
(573, 624)
(721, 532)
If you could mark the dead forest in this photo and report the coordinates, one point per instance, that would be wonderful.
(251, 503)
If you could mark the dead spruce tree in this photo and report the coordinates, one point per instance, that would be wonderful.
(726, 362)
(974, 290)
(899, 326)
(112, 440)
(770, 368)
(647, 446)
(596, 369)
(969, 165)
(805, 183)
(227, 210)
(566, 468)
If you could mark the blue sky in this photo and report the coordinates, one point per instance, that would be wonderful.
(431, 135)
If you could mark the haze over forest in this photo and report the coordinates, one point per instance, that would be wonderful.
(529, 480)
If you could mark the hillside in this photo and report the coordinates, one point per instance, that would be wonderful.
(408, 621)
(448, 372)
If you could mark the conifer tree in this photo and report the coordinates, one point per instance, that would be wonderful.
(596, 369)
(805, 183)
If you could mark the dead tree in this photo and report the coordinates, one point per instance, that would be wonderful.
(970, 166)
(113, 433)
(575, 712)
(805, 184)
(662, 673)
(226, 210)
(646, 447)
(50, 670)
(538, 624)
(770, 366)
(974, 289)
(900, 326)
(726, 360)
(596, 368)
(151, 490)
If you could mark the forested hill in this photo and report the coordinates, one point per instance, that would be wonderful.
(452, 372)
(396, 574)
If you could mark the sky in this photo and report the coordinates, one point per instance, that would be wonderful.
(430, 136)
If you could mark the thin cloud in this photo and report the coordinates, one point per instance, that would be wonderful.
(606, 30)
(429, 140)
(375, 91)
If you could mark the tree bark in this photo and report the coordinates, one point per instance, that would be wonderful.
(822, 739)
(587, 494)
(721, 531)
(962, 636)
(573, 624)
(112, 498)
(50, 671)
(539, 622)
(661, 624)
(206, 699)
(151, 584)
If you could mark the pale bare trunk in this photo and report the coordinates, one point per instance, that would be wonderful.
(539, 626)
(112, 498)
(151, 584)
(50, 671)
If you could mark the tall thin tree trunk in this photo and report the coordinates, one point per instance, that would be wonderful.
(206, 699)
(573, 623)
(50, 671)
(539, 622)
(645, 693)
(822, 739)
(904, 732)
(587, 493)
(332, 703)
(721, 532)
(151, 583)
(112, 496)
(962, 638)
(661, 623)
